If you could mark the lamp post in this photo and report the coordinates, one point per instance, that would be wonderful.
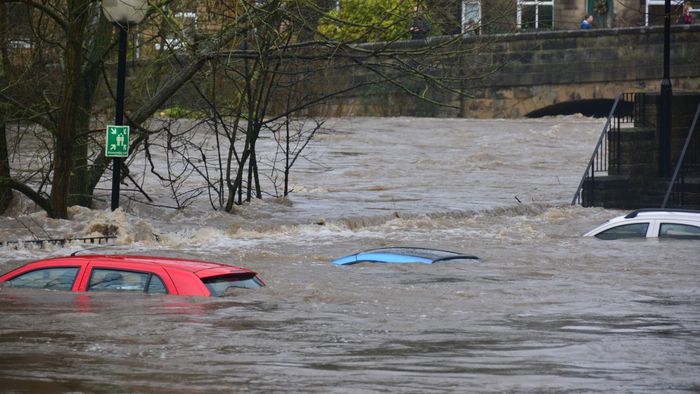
(666, 98)
(123, 13)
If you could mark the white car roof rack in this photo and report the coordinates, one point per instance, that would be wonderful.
(634, 214)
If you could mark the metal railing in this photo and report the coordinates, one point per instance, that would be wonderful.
(58, 241)
(675, 194)
(628, 108)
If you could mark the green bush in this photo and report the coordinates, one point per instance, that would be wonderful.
(178, 112)
(368, 20)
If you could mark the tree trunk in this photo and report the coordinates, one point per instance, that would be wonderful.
(5, 192)
(80, 183)
(69, 111)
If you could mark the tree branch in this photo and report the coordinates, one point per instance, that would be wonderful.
(51, 13)
(36, 197)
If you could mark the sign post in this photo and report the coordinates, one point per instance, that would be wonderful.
(123, 13)
(116, 147)
(117, 142)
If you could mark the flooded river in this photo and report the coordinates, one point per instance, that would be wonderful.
(544, 310)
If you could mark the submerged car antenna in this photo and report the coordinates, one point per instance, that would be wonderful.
(89, 249)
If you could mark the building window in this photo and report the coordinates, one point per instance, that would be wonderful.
(178, 33)
(654, 13)
(471, 16)
(534, 14)
(20, 28)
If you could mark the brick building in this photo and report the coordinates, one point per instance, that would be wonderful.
(506, 15)
(189, 17)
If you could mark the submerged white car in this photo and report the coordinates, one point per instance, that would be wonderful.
(651, 223)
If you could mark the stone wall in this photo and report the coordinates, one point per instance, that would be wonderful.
(543, 69)
(568, 14)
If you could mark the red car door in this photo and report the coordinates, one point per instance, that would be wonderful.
(106, 267)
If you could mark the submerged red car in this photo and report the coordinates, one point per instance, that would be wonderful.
(159, 275)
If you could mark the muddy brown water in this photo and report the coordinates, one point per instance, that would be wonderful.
(544, 310)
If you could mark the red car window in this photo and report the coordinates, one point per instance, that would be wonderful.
(103, 279)
(57, 278)
(156, 285)
(220, 285)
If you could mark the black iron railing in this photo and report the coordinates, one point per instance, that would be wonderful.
(628, 109)
(58, 241)
(675, 194)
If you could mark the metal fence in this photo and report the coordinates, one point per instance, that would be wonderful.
(58, 241)
(627, 111)
(687, 164)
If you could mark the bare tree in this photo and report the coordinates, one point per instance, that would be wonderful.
(256, 67)
(70, 42)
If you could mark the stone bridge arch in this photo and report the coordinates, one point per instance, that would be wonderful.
(597, 108)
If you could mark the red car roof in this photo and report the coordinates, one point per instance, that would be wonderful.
(167, 262)
(181, 276)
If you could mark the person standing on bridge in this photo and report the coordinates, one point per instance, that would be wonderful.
(587, 22)
(420, 26)
(686, 18)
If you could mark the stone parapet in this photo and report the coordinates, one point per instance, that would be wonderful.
(531, 71)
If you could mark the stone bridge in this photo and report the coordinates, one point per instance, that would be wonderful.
(548, 73)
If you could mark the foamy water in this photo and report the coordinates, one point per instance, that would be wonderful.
(544, 309)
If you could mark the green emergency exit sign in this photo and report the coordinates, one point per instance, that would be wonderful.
(117, 143)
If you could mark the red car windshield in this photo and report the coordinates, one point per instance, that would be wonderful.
(219, 285)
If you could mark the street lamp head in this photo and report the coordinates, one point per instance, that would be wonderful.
(125, 12)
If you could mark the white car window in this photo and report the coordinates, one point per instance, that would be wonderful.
(635, 230)
(677, 230)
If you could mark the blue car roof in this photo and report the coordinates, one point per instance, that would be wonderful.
(402, 255)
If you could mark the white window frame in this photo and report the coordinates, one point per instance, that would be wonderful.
(661, 3)
(21, 43)
(18, 40)
(466, 15)
(536, 3)
(175, 43)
